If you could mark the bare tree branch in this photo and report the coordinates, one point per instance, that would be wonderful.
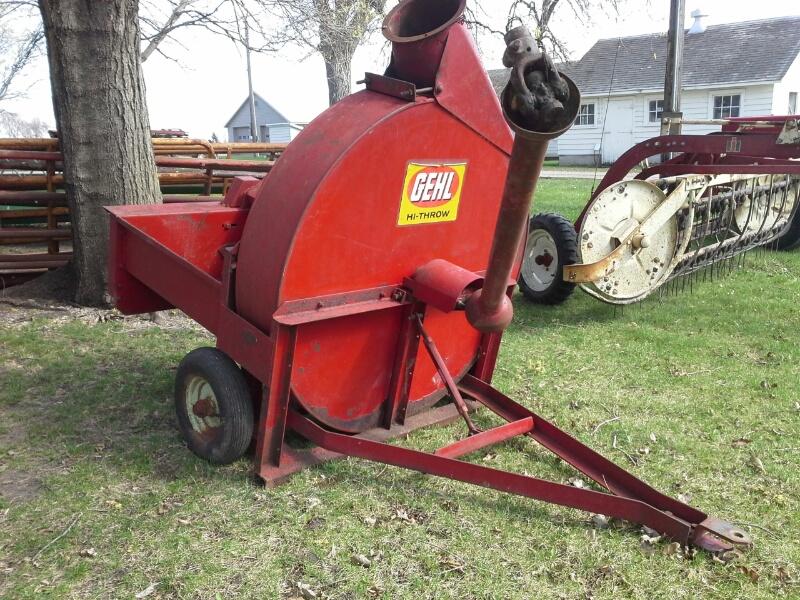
(161, 33)
(25, 53)
(332, 28)
(12, 125)
(161, 20)
(16, 50)
(539, 16)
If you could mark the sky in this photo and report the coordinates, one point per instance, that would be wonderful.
(207, 82)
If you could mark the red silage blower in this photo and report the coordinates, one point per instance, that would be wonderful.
(360, 283)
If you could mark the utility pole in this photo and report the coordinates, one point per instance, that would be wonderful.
(251, 99)
(673, 75)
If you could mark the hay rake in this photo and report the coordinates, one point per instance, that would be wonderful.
(722, 196)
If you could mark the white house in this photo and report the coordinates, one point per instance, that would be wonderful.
(730, 70)
(272, 125)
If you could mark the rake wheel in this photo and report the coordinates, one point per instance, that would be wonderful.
(552, 243)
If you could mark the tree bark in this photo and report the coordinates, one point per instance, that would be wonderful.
(104, 130)
(338, 72)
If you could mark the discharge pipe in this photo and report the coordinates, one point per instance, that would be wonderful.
(418, 30)
(539, 104)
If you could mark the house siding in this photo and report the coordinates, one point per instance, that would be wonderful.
(282, 133)
(239, 134)
(789, 83)
(578, 145)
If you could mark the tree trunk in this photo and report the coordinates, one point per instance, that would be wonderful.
(101, 113)
(337, 69)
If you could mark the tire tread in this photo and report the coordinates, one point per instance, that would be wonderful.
(233, 397)
(566, 240)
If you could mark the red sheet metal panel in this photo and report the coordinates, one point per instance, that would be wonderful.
(168, 255)
(338, 214)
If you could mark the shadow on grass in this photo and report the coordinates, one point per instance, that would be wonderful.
(116, 412)
(577, 309)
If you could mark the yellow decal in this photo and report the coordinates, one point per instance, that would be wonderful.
(431, 192)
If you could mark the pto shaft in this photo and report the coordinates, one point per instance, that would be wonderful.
(539, 104)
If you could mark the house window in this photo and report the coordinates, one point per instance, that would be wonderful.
(656, 107)
(792, 103)
(727, 106)
(585, 115)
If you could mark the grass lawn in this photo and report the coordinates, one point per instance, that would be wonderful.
(101, 499)
(554, 163)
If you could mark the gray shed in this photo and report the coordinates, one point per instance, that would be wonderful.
(272, 125)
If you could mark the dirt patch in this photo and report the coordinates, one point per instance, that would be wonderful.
(16, 485)
(54, 286)
(18, 312)
(22, 471)
(19, 485)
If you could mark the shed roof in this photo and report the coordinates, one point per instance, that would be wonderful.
(729, 53)
(261, 99)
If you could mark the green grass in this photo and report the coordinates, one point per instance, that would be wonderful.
(706, 382)
(554, 163)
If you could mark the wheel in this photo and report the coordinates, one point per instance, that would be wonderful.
(213, 405)
(639, 270)
(791, 239)
(552, 243)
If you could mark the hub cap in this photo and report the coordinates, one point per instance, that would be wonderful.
(201, 406)
(541, 260)
(644, 266)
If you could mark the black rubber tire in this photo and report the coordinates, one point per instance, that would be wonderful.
(565, 238)
(791, 239)
(228, 442)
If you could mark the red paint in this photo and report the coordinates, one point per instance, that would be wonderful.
(702, 153)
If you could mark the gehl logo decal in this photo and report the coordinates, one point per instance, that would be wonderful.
(431, 192)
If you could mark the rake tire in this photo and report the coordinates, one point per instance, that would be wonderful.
(791, 239)
(565, 242)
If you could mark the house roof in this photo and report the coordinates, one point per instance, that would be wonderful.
(729, 53)
(261, 99)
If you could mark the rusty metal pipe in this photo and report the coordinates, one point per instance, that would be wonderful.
(539, 104)
(489, 309)
(23, 198)
(258, 166)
